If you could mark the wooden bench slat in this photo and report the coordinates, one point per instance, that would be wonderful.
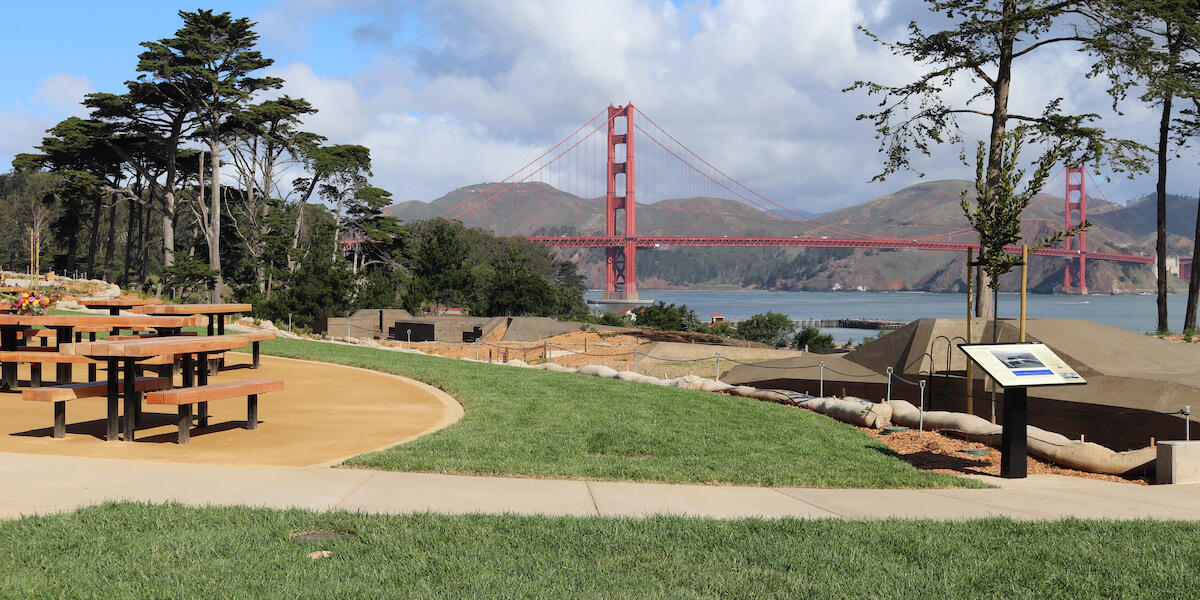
(93, 389)
(37, 355)
(205, 393)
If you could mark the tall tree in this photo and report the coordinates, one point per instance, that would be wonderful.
(157, 111)
(438, 270)
(1156, 45)
(337, 166)
(1188, 132)
(978, 52)
(266, 140)
(210, 61)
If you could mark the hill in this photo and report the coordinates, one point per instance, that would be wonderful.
(928, 209)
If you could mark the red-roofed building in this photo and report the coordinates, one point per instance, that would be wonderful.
(717, 318)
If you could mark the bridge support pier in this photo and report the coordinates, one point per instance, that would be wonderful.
(1079, 204)
(620, 277)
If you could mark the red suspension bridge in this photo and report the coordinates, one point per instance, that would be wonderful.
(584, 191)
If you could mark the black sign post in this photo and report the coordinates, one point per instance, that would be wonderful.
(1014, 447)
(1017, 367)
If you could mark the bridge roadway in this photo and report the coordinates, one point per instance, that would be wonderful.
(883, 243)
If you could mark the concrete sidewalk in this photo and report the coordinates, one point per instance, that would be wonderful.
(39, 484)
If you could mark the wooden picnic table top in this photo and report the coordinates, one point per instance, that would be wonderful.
(113, 302)
(96, 320)
(192, 309)
(164, 345)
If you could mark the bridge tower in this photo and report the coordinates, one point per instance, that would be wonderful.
(1080, 204)
(620, 281)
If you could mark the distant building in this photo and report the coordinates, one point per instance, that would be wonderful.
(716, 318)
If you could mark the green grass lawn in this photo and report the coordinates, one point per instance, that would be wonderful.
(537, 423)
(170, 551)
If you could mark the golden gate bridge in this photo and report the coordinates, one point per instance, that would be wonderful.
(553, 200)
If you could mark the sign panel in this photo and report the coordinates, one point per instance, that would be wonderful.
(1023, 364)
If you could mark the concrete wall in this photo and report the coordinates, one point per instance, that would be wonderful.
(364, 323)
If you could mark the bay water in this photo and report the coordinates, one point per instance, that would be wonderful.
(1128, 311)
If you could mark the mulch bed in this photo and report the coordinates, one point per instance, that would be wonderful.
(932, 451)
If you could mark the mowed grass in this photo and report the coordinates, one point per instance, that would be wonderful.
(523, 422)
(171, 551)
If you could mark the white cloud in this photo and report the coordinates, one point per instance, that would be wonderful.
(754, 87)
(63, 93)
(24, 124)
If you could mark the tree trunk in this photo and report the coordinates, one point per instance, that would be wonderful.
(337, 229)
(984, 306)
(214, 215)
(312, 185)
(1160, 245)
(144, 248)
(132, 219)
(110, 242)
(91, 264)
(1189, 319)
(168, 228)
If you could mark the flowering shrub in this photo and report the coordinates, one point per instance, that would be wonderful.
(33, 304)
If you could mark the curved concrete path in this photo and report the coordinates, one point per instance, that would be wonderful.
(32, 483)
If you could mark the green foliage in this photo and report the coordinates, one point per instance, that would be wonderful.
(187, 276)
(440, 270)
(515, 289)
(322, 286)
(720, 328)
(768, 328)
(612, 319)
(977, 53)
(811, 338)
(666, 317)
(996, 215)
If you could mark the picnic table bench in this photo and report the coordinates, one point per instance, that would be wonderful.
(122, 356)
(61, 394)
(185, 397)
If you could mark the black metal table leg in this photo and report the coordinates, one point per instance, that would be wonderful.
(91, 367)
(189, 371)
(8, 341)
(220, 331)
(113, 387)
(202, 379)
(131, 401)
(60, 419)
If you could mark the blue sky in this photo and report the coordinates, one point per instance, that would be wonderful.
(456, 92)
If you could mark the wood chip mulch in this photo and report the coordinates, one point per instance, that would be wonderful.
(932, 451)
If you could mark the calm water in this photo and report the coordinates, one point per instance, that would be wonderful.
(1133, 312)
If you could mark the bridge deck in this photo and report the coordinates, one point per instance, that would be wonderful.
(822, 242)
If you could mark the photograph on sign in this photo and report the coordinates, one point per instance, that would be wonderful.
(1022, 364)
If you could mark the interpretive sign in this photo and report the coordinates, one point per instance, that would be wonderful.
(1022, 364)
(1017, 366)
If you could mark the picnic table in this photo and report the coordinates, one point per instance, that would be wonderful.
(11, 327)
(122, 357)
(209, 310)
(114, 305)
